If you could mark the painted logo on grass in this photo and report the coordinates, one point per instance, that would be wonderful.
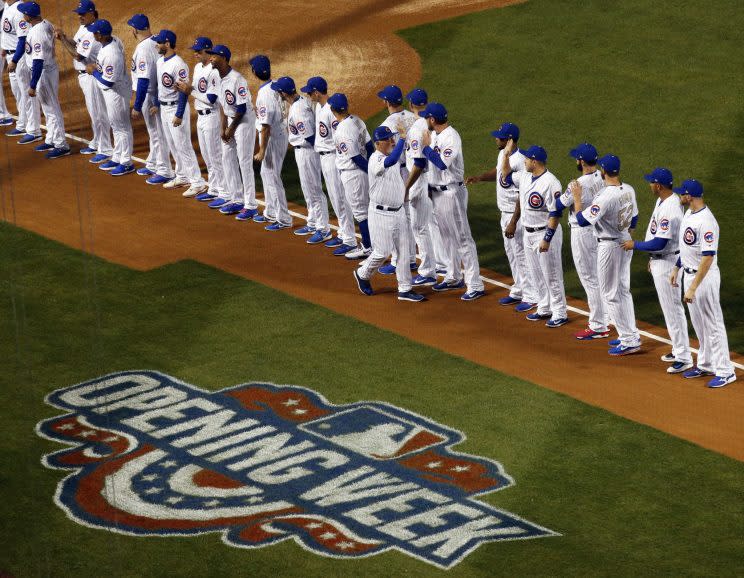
(262, 463)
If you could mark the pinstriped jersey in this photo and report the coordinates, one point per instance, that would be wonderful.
(206, 81)
(537, 196)
(86, 46)
(144, 65)
(170, 70)
(350, 137)
(300, 122)
(13, 26)
(325, 124)
(698, 233)
(40, 45)
(591, 184)
(386, 186)
(665, 221)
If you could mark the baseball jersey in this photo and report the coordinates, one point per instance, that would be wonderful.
(350, 138)
(698, 233)
(414, 150)
(386, 186)
(269, 108)
(507, 193)
(170, 70)
(86, 46)
(612, 211)
(449, 146)
(40, 45)
(144, 65)
(301, 123)
(234, 92)
(112, 65)
(537, 196)
(665, 221)
(591, 184)
(325, 124)
(13, 26)
(206, 81)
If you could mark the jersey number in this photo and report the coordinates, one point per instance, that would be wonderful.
(624, 217)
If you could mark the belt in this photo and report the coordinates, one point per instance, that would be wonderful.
(600, 239)
(688, 270)
(662, 255)
(442, 187)
(81, 72)
(163, 103)
(323, 153)
(534, 229)
(204, 112)
(384, 208)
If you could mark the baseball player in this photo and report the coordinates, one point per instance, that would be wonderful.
(272, 147)
(583, 242)
(507, 201)
(613, 214)
(16, 27)
(176, 117)
(238, 135)
(543, 234)
(450, 199)
(317, 89)
(5, 119)
(353, 148)
(204, 88)
(388, 224)
(145, 86)
(701, 285)
(662, 244)
(41, 62)
(114, 83)
(301, 125)
(84, 48)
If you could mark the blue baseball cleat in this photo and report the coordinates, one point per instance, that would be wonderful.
(14, 132)
(335, 242)
(58, 153)
(720, 381)
(6, 121)
(388, 269)
(624, 350)
(538, 316)
(365, 287)
(421, 281)
(260, 219)
(144, 172)
(231, 208)
(509, 300)
(277, 227)
(524, 307)
(217, 203)
(122, 170)
(341, 250)
(108, 166)
(158, 180)
(411, 296)
(304, 230)
(42, 148)
(696, 372)
(98, 159)
(88, 151)
(444, 286)
(473, 295)
(557, 322)
(613, 343)
(319, 237)
(29, 138)
(246, 214)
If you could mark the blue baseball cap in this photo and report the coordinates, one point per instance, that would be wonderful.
(383, 133)
(101, 27)
(284, 84)
(418, 97)
(201, 43)
(260, 64)
(610, 163)
(660, 175)
(436, 111)
(221, 50)
(691, 187)
(139, 22)
(338, 101)
(165, 36)
(585, 152)
(84, 7)
(536, 153)
(507, 131)
(392, 94)
(315, 83)
(29, 9)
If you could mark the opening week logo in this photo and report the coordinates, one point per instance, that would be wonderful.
(262, 463)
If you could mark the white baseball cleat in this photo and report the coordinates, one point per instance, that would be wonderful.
(359, 253)
(194, 190)
(175, 183)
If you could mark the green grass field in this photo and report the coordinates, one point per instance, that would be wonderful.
(628, 500)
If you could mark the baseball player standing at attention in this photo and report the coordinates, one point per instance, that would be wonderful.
(115, 85)
(353, 148)
(145, 84)
(204, 88)
(317, 89)
(613, 214)
(9, 42)
(29, 113)
(450, 198)
(301, 124)
(5, 119)
(583, 242)
(238, 136)
(176, 117)
(662, 244)
(701, 285)
(45, 76)
(388, 223)
(272, 147)
(84, 50)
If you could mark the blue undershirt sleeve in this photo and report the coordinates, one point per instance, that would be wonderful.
(142, 85)
(679, 262)
(310, 140)
(394, 157)
(99, 77)
(634, 222)
(360, 161)
(581, 220)
(212, 98)
(654, 245)
(709, 253)
(20, 49)
(434, 158)
(420, 163)
(183, 99)
(241, 109)
(370, 148)
(36, 70)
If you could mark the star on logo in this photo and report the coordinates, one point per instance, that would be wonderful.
(87, 433)
(459, 469)
(299, 411)
(328, 536)
(65, 427)
(434, 465)
(291, 402)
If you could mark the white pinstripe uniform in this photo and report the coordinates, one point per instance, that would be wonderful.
(507, 197)
(31, 106)
(208, 125)
(269, 112)
(350, 137)
(3, 106)
(112, 67)
(301, 125)
(537, 196)
(14, 26)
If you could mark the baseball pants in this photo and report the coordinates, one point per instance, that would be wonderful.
(271, 177)
(670, 300)
(15, 88)
(237, 162)
(178, 139)
(48, 94)
(338, 199)
(584, 250)
(451, 210)
(117, 109)
(545, 273)
(514, 249)
(356, 189)
(421, 215)
(389, 231)
(30, 105)
(208, 128)
(308, 165)
(3, 107)
(613, 268)
(98, 112)
(157, 159)
(707, 320)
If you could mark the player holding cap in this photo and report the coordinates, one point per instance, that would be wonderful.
(450, 198)
(204, 88)
(353, 148)
(701, 285)
(176, 117)
(238, 136)
(113, 80)
(45, 76)
(301, 124)
(388, 224)
(613, 214)
(84, 50)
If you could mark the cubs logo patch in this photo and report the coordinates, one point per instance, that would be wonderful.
(689, 236)
(343, 147)
(414, 144)
(28, 48)
(322, 129)
(506, 181)
(229, 97)
(183, 74)
(334, 124)
(242, 92)
(709, 237)
(262, 111)
(6, 25)
(37, 47)
(99, 68)
(142, 66)
(594, 210)
(664, 224)
(260, 464)
(23, 25)
(301, 126)
(202, 85)
(167, 80)
(447, 153)
(536, 201)
(86, 44)
(133, 65)
(652, 227)
(109, 70)
(292, 129)
(437, 149)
